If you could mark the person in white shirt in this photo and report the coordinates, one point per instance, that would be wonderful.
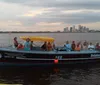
(85, 45)
(91, 46)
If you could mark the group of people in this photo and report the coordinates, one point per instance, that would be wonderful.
(28, 45)
(81, 46)
(48, 46)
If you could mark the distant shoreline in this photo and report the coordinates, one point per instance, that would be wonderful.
(48, 32)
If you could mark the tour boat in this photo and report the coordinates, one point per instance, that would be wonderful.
(14, 57)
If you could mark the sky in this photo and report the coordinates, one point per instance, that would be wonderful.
(48, 15)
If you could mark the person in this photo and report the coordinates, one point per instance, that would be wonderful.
(49, 46)
(54, 47)
(78, 46)
(91, 46)
(73, 45)
(15, 42)
(85, 45)
(44, 46)
(20, 47)
(97, 46)
(31, 45)
(68, 46)
(27, 45)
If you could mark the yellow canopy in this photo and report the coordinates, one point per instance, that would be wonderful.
(37, 38)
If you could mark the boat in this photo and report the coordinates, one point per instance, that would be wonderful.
(14, 57)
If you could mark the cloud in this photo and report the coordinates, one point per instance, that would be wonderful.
(36, 12)
(10, 23)
(94, 25)
(68, 4)
(10, 11)
(49, 24)
(68, 16)
(49, 14)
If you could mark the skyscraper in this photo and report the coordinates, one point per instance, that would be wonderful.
(66, 29)
(71, 29)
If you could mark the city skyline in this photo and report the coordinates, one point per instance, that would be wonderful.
(48, 15)
(78, 28)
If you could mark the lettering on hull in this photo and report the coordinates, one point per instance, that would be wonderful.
(59, 57)
(13, 55)
(95, 55)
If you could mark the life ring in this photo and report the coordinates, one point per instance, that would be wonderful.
(56, 61)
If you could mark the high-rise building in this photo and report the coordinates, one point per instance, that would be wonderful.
(83, 28)
(66, 29)
(80, 28)
(71, 29)
(87, 29)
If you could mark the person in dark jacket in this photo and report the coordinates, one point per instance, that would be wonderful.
(15, 42)
(73, 45)
(44, 46)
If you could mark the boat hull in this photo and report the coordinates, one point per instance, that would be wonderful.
(12, 57)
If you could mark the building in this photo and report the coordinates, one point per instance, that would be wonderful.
(83, 29)
(80, 28)
(71, 29)
(66, 29)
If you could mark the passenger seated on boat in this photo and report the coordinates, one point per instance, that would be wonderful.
(85, 45)
(44, 46)
(20, 47)
(78, 47)
(91, 46)
(49, 46)
(27, 44)
(31, 45)
(68, 46)
(73, 45)
(54, 47)
(15, 42)
(97, 47)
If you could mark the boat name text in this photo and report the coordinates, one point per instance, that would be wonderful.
(58, 57)
(95, 55)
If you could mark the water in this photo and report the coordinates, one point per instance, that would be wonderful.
(88, 74)
(68, 75)
(60, 38)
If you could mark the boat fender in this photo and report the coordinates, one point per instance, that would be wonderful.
(56, 61)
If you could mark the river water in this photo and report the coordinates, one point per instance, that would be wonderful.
(87, 74)
(60, 38)
(67, 75)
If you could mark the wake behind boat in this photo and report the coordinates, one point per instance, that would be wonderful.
(15, 57)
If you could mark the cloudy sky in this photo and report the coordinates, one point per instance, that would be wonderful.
(48, 15)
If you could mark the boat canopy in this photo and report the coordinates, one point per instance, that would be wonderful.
(38, 38)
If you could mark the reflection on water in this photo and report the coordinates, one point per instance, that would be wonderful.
(67, 75)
